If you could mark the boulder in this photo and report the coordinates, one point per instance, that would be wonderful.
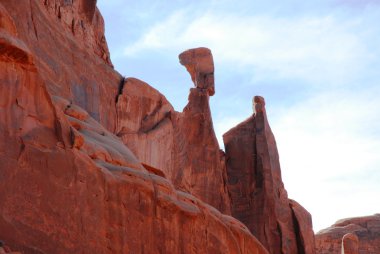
(200, 65)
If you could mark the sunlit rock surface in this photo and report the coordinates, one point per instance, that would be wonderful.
(68, 183)
(258, 196)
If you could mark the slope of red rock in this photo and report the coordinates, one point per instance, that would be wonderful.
(258, 196)
(67, 41)
(68, 184)
(366, 229)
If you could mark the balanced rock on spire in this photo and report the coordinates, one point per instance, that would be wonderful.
(200, 64)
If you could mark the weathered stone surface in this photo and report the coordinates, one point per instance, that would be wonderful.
(198, 163)
(200, 64)
(258, 196)
(183, 144)
(303, 228)
(367, 229)
(70, 50)
(144, 124)
(67, 183)
(350, 244)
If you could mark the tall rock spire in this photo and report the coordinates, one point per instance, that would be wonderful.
(258, 196)
(199, 161)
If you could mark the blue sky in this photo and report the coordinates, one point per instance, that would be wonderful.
(317, 63)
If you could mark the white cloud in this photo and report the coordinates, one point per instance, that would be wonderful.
(313, 49)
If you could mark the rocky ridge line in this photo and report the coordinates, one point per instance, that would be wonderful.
(69, 185)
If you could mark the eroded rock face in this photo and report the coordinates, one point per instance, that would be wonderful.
(258, 196)
(200, 65)
(343, 232)
(145, 126)
(66, 38)
(350, 244)
(67, 183)
(182, 144)
(198, 162)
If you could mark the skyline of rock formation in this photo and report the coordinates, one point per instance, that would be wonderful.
(93, 162)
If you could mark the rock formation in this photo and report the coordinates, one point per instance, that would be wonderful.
(70, 52)
(182, 144)
(258, 196)
(67, 183)
(350, 244)
(366, 229)
(200, 64)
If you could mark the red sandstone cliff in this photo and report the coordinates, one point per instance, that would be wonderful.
(68, 184)
(95, 163)
(182, 144)
(359, 235)
(258, 196)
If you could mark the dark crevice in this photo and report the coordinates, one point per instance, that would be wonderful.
(297, 232)
(147, 129)
(120, 89)
(73, 26)
(281, 238)
(22, 149)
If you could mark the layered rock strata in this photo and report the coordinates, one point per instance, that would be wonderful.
(67, 183)
(258, 196)
(67, 41)
(366, 229)
(182, 144)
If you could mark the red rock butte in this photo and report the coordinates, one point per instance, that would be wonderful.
(92, 162)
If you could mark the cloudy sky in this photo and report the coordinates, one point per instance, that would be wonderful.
(317, 63)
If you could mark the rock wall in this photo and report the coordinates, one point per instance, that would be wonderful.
(350, 244)
(67, 183)
(366, 229)
(70, 52)
(258, 196)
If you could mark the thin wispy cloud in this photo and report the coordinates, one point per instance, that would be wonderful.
(313, 49)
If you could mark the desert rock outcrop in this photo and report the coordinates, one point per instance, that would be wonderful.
(366, 229)
(68, 183)
(70, 52)
(200, 65)
(258, 196)
(182, 144)
(350, 244)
